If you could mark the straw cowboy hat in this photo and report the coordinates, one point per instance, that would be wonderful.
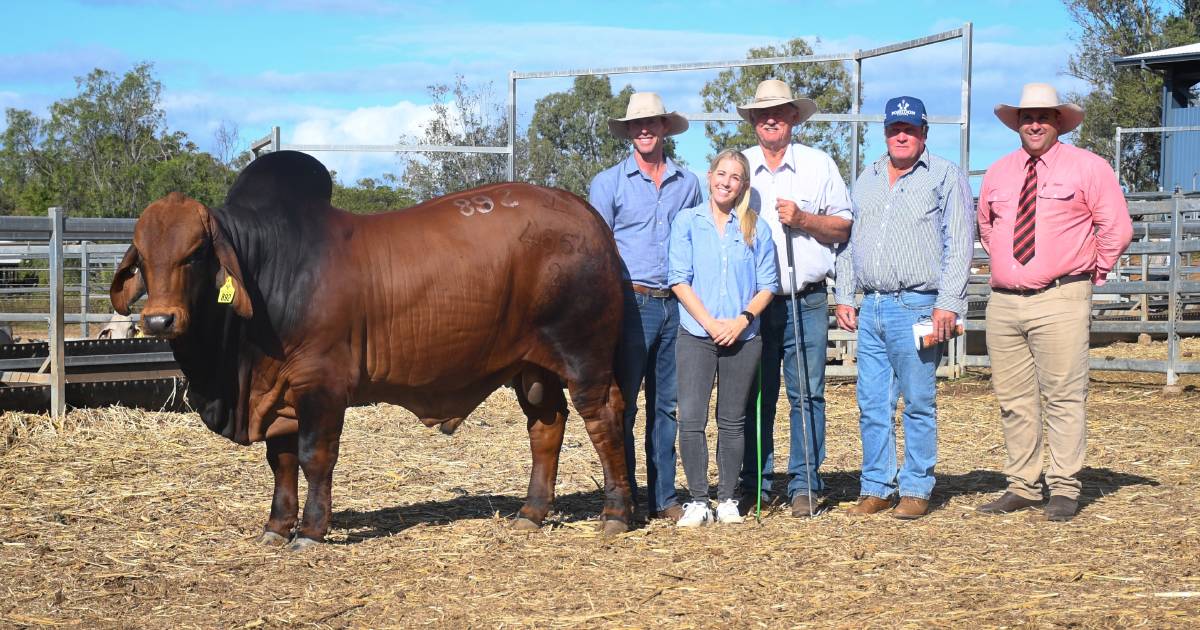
(647, 105)
(774, 92)
(1041, 95)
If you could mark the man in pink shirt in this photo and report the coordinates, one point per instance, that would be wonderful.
(1053, 219)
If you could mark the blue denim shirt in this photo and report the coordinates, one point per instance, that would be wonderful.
(722, 270)
(640, 215)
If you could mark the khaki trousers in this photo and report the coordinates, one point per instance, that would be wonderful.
(1038, 346)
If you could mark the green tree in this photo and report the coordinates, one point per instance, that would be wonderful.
(369, 196)
(829, 84)
(1127, 97)
(569, 140)
(104, 152)
(26, 170)
(462, 116)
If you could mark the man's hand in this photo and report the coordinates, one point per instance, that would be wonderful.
(943, 324)
(791, 215)
(847, 317)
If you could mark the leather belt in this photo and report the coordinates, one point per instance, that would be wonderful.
(811, 287)
(1058, 282)
(654, 293)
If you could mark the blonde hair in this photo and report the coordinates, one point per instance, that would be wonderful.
(746, 215)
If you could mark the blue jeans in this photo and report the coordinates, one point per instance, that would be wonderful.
(889, 365)
(647, 351)
(780, 347)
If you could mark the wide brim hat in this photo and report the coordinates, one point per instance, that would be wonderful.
(1040, 96)
(647, 105)
(773, 92)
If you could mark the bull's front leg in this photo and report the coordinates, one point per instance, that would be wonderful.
(281, 455)
(547, 419)
(321, 421)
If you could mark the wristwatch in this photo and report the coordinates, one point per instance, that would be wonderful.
(749, 317)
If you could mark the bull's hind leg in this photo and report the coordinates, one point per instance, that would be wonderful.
(321, 422)
(541, 397)
(281, 455)
(601, 408)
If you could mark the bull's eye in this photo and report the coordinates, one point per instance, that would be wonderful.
(196, 257)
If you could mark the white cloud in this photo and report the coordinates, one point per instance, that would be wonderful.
(367, 125)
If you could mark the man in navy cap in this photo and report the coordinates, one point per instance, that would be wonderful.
(910, 254)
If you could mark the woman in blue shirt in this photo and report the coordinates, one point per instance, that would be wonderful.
(723, 270)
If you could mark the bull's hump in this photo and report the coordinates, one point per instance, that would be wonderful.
(288, 176)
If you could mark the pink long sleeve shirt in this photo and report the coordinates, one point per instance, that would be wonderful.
(1082, 226)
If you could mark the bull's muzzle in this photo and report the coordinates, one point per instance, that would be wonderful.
(159, 325)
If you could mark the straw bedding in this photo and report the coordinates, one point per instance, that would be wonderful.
(120, 518)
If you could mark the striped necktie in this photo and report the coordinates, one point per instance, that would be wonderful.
(1023, 228)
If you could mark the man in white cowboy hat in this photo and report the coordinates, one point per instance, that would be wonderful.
(638, 198)
(1053, 219)
(910, 255)
(799, 192)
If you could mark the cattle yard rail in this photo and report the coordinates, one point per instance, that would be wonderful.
(1154, 290)
(273, 141)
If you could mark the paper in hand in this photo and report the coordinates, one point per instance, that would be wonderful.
(923, 333)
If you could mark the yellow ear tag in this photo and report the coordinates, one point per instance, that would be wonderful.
(227, 291)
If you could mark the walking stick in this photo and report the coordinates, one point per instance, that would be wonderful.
(758, 446)
(791, 263)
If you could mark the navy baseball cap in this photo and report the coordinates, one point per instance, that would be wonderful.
(907, 109)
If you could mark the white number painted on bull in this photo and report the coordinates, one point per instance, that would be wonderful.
(479, 203)
(509, 203)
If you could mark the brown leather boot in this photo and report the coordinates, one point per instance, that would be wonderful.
(911, 508)
(1009, 502)
(1061, 508)
(869, 505)
(670, 513)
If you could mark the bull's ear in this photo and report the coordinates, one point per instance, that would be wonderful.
(229, 277)
(127, 285)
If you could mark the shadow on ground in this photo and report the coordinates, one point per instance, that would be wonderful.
(986, 484)
(843, 486)
(365, 525)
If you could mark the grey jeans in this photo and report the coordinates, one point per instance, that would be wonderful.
(699, 361)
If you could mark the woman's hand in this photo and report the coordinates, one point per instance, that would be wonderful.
(732, 330)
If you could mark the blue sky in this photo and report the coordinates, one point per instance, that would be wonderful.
(356, 71)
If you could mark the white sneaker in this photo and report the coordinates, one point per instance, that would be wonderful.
(727, 512)
(695, 514)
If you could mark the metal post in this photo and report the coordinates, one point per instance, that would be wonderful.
(1117, 157)
(1173, 298)
(964, 160)
(275, 142)
(58, 374)
(958, 346)
(512, 126)
(83, 288)
(1144, 301)
(855, 164)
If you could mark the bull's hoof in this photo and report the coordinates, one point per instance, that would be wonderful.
(612, 527)
(271, 539)
(301, 543)
(522, 524)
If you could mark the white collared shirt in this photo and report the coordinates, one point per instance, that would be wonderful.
(810, 178)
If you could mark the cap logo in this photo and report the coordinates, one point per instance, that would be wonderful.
(904, 110)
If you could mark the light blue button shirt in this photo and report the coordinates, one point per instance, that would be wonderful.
(722, 270)
(640, 214)
(915, 235)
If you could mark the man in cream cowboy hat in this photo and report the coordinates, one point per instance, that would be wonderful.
(638, 198)
(1054, 220)
(799, 192)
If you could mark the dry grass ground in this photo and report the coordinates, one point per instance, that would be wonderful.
(118, 518)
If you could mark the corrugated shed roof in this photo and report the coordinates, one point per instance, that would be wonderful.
(1166, 55)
